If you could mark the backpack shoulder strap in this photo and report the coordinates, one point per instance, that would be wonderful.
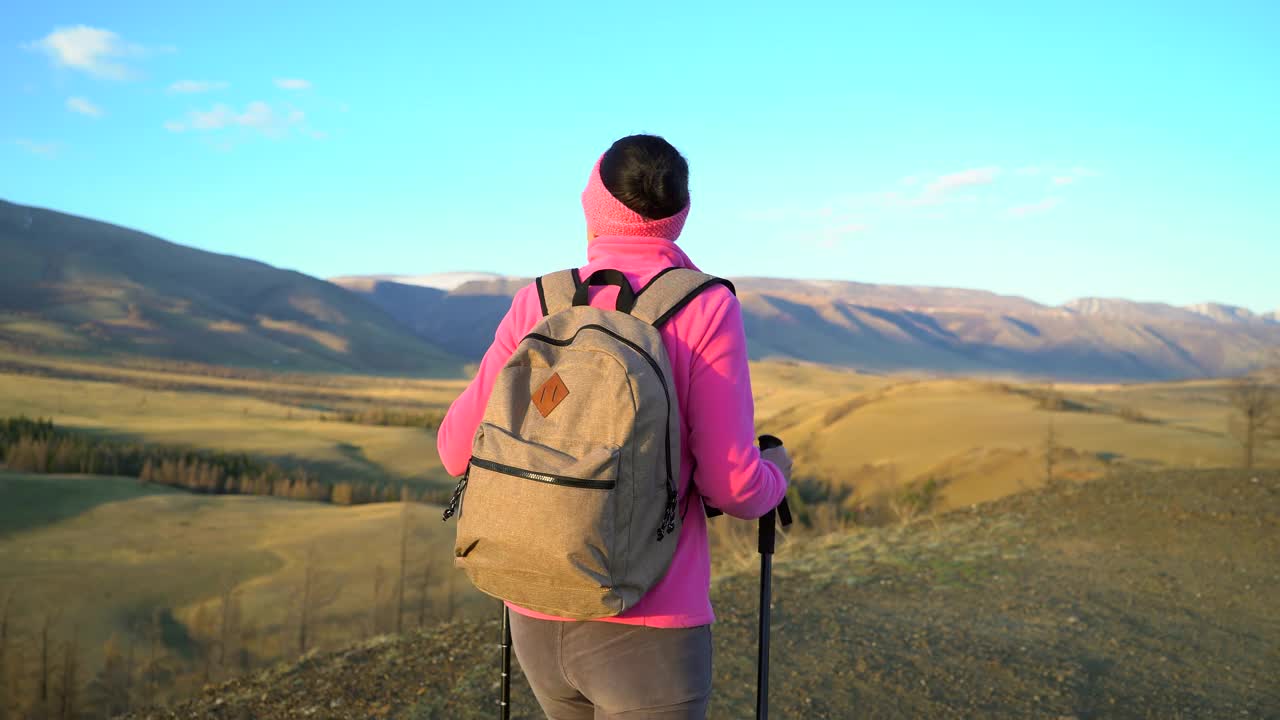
(672, 289)
(555, 291)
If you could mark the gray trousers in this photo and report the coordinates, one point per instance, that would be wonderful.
(601, 670)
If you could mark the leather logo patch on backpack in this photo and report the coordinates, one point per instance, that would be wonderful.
(550, 395)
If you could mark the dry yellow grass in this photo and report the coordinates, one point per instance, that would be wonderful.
(327, 339)
(229, 422)
(985, 439)
(356, 388)
(114, 563)
(226, 326)
(39, 329)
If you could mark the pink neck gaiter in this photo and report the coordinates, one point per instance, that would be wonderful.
(606, 215)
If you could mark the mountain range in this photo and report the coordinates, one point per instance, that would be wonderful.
(883, 328)
(78, 286)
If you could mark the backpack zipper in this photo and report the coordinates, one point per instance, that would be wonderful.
(543, 477)
(452, 507)
(668, 524)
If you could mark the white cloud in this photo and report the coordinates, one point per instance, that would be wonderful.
(964, 178)
(257, 116)
(1044, 205)
(95, 51)
(43, 149)
(292, 84)
(937, 190)
(198, 86)
(216, 118)
(1073, 175)
(83, 106)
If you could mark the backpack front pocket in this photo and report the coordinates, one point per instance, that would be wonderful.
(548, 511)
(548, 478)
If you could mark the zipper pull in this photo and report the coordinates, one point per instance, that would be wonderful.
(457, 495)
(668, 524)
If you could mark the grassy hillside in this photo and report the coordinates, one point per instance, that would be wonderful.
(32, 501)
(981, 440)
(108, 555)
(868, 434)
(77, 286)
(1139, 596)
(276, 417)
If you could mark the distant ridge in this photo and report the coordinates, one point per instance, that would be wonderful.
(439, 281)
(884, 328)
(77, 286)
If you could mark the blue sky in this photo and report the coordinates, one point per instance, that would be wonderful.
(1051, 150)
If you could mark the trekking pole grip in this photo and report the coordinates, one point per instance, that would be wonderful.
(768, 536)
(769, 521)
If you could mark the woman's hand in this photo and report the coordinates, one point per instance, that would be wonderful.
(779, 457)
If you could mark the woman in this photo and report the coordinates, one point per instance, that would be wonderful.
(654, 659)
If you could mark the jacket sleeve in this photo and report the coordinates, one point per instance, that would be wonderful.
(458, 429)
(729, 473)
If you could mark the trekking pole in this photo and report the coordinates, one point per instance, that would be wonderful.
(505, 701)
(768, 536)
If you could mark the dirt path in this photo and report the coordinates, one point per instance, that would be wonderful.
(1143, 596)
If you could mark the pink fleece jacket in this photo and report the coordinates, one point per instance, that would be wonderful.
(707, 347)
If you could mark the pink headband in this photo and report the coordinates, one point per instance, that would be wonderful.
(606, 215)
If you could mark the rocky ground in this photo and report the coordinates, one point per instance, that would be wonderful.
(1143, 596)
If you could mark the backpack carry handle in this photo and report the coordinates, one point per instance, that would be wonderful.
(626, 295)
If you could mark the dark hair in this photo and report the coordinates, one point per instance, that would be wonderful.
(647, 174)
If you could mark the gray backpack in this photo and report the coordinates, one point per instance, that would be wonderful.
(568, 506)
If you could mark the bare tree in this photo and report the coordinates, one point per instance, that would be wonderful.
(4, 655)
(404, 551)
(128, 666)
(1255, 405)
(1050, 452)
(448, 593)
(11, 702)
(5, 611)
(308, 578)
(316, 595)
(205, 634)
(229, 629)
(423, 591)
(150, 672)
(108, 692)
(42, 695)
(69, 689)
(375, 620)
